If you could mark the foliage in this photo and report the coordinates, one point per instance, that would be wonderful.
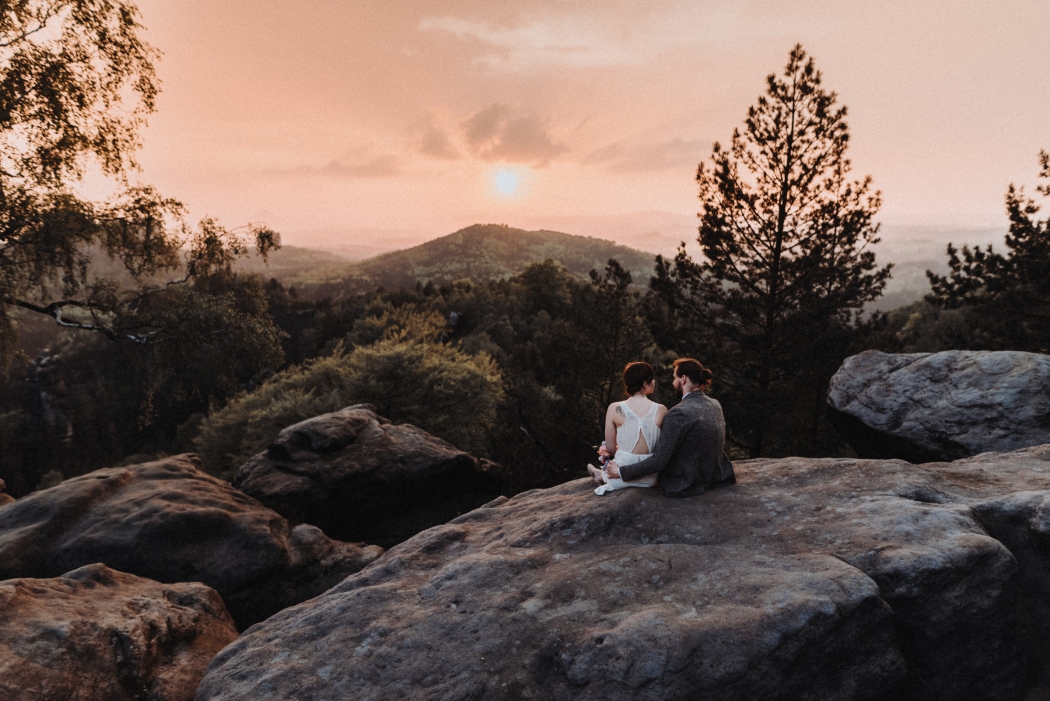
(587, 352)
(87, 402)
(76, 83)
(786, 265)
(407, 375)
(75, 80)
(1010, 294)
(250, 422)
(206, 341)
(923, 327)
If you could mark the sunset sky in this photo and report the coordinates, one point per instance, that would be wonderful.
(384, 123)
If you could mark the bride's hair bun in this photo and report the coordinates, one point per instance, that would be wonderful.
(635, 375)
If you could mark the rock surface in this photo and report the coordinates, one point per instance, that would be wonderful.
(169, 521)
(928, 407)
(359, 477)
(5, 498)
(809, 579)
(95, 634)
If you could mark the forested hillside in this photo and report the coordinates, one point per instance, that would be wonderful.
(478, 252)
(292, 263)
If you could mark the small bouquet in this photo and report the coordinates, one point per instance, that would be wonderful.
(603, 455)
(599, 475)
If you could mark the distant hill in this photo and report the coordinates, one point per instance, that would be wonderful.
(290, 262)
(487, 251)
(491, 251)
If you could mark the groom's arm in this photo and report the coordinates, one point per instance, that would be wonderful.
(671, 436)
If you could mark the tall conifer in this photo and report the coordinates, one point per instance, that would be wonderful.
(786, 239)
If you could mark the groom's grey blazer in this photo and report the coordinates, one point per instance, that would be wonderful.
(690, 455)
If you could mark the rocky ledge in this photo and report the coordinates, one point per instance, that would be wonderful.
(809, 579)
(928, 407)
(171, 522)
(103, 635)
(356, 476)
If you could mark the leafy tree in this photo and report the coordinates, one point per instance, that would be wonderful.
(1009, 293)
(76, 84)
(785, 236)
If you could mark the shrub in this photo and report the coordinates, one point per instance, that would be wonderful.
(436, 387)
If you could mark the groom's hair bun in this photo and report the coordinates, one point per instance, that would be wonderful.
(691, 368)
(635, 375)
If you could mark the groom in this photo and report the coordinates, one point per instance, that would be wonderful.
(690, 454)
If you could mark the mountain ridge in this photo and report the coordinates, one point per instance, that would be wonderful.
(488, 251)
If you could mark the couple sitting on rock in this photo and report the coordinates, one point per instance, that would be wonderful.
(683, 448)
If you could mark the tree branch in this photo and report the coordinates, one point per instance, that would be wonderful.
(29, 32)
(54, 310)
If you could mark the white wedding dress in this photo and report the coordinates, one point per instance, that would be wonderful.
(634, 428)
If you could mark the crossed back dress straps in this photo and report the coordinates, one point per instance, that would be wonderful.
(635, 427)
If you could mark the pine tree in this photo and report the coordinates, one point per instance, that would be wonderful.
(786, 240)
(1009, 295)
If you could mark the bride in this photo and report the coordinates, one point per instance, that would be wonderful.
(632, 428)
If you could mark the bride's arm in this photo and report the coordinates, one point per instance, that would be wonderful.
(661, 412)
(611, 416)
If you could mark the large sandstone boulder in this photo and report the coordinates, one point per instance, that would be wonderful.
(925, 407)
(359, 477)
(95, 634)
(169, 521)
(809, 579)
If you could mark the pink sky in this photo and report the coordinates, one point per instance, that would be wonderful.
(373, 123)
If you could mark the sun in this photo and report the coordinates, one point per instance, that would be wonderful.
(507, 182)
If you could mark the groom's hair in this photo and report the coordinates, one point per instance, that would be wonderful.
(697, 373)
(635, 375)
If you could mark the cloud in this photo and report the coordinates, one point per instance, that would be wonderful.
(603, 34)
(559, 41)
(360, 164)
(435, 142)
(482, 128)
(654, 155)
(496, 134)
